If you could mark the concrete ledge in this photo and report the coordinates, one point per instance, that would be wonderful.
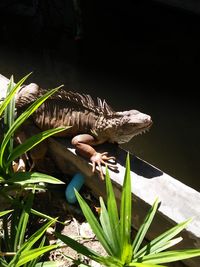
(178, 201)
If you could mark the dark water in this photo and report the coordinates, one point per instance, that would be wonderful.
(138, 56)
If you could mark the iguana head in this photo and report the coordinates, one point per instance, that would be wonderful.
(129, 124)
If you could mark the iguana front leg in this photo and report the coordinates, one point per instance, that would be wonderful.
(83, 144)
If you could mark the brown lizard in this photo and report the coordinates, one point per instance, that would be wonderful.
(91, 123)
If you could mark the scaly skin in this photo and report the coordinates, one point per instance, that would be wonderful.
(91, 123)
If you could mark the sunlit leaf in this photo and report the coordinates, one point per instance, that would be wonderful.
(2, 213)
(20, 120)
(125, 215)
(106, 260)
(144, 227)
(94, 224)
(29, 255)
(32, 142)
(106, 227)
(171, 256)
(12, 93)
(113, 213)
(137, 264)
(23, 221)
(162, 239)
(9, 113)
(33, 177)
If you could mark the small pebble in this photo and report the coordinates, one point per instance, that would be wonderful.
(76, 182)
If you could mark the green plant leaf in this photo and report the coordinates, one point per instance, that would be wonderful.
(94, 224)
(20, 120)
(1, 179)
(125, 215)
(36, 260)
(169, 244)
(113, 213)
(23, 221)
(144, 227)
(162, 239)
(12, 93)
(37, 235)
(9, 113)
(26, 247)
(138, 264)
(77, 246)
(2, 213)
(171, 256)
(108, 261)
(29, 255)
(45, 216)
(106, 226)
(3, 263)
(32, 142)
(33, 177)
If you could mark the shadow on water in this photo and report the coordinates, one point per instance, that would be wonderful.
(141, 55)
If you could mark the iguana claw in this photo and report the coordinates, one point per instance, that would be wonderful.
(99, 159)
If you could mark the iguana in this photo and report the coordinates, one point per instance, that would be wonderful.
(92, 122)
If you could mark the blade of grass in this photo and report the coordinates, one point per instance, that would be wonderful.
(2, 213)
(6, 111)
(27, 256)
(22, 225)
(20, 120)
(37, 235)
(3, 263)
(9, 117)
(12, 93)
(171, 256)
(32, 142)
(34, 261)
(108, 261)
(77, 246)
(10, 113)
(6, 237)
(30, 242)
(125, 215)
(42, 215)
(1, 179)
(144, 227)
(33, 177)
(137, 264)
(94, 224)
(169, 244)
(112, 212)
(17, 207)
(106, 226)
(162, 239)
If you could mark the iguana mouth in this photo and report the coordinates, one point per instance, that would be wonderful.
(136, 130)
